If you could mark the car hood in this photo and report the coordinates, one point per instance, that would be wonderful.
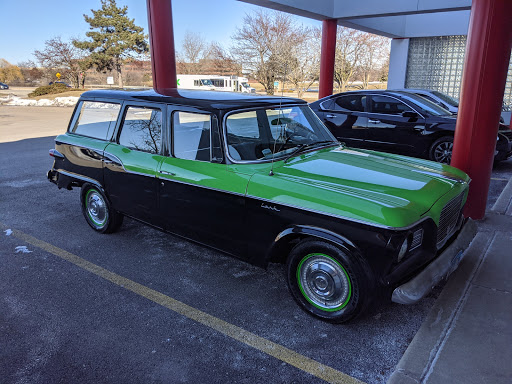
(367, 186)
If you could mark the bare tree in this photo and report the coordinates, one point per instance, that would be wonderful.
(348, 52)
(194, 48)
(59, 55)
(373, 51)
(305, 68)
(263, 45)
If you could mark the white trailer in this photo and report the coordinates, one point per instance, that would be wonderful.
(232, 84)
(195, 82)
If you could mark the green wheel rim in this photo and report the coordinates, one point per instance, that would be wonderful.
(324, 282)
(96, 208)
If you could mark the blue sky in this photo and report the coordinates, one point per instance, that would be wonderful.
(26, 24)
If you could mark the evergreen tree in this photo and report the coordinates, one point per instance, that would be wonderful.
(114, 38)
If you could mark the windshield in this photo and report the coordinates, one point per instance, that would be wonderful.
(245, 85)
(426, 106)
(266, 134)
(206, 82)
(447, 99)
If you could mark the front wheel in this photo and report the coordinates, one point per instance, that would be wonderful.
(441, 150)
(328, 282)
(97, 210)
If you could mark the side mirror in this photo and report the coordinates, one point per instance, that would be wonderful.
(410, 114)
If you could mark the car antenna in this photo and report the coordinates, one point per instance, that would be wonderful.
(271, 173)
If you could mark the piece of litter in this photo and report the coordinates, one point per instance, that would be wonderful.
(8, 232)
(22, 249)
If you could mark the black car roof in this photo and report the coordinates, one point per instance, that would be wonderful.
(196, 98)
(398, 93)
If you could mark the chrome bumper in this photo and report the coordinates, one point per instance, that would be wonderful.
(447, 262)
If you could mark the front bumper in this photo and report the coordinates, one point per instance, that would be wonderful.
(447, 262)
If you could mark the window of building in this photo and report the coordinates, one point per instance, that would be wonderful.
(191, 136)
(142, 129)
(96, 119)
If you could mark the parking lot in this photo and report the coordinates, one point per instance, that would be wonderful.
(144, 306)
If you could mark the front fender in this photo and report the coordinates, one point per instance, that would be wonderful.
(286, 240)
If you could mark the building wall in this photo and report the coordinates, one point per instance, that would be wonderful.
(435, 63)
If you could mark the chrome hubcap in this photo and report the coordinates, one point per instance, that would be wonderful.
(443, 152)
(96, 208)
(324, 282)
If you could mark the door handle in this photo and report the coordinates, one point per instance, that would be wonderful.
(329, 116)
(374, 121)
(167, 173)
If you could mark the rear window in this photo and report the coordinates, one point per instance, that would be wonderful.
(96, 119)
(142, 129)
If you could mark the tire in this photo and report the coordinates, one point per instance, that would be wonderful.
(97, 210)
(441, 150)
(328, 282)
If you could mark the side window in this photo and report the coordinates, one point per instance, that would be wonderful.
(430, 99)
(141, 129)
(387, 105)
(96, 119)
(352, 103)
(244, 124)
(191, 136)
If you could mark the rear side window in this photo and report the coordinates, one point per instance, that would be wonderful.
(142, 129)
(96, 119)
(191, 136)
(388, 105)
(353, 103)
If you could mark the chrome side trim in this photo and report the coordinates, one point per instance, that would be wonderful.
(80, 177)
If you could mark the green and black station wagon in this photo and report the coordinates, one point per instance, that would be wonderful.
(262, 179)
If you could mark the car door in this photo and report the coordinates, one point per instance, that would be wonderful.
(199, 198)
(394, 126)
(346, 118)
(132, 160)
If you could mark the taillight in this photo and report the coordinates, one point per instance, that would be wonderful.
(55, 153)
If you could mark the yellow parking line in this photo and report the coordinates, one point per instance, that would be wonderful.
(284, 354)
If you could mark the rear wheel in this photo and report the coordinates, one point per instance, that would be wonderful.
(327, 281)
(97, 210)
(441, 150)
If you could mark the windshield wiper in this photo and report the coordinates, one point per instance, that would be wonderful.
(303, 147)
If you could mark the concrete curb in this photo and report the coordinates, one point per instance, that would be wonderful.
(504, 201)
(424, 348)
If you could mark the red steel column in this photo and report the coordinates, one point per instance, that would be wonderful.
(327, 57)
(161, 42)
(483, 85)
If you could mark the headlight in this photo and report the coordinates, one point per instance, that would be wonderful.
(403, 249)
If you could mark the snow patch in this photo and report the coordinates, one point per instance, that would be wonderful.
(8, 232)
(22, 249)
(67, 101)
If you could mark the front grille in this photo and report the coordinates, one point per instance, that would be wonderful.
(417, 238)
(448, 220)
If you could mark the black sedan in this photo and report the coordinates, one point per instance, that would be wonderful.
(397, 122)
(4, 86)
